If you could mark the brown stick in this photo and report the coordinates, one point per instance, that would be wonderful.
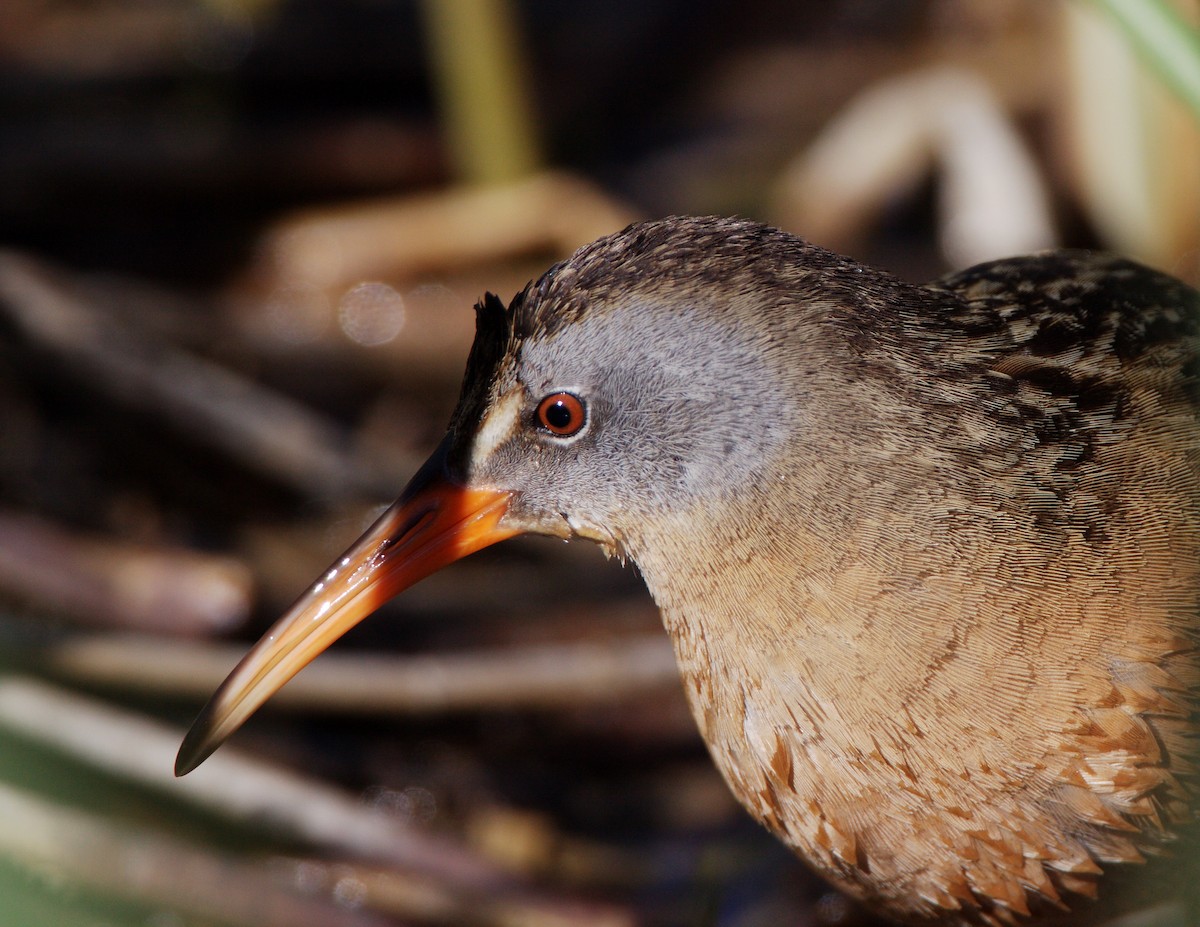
(260, 428)
(541, 676)
(112, 584)
(405, 237)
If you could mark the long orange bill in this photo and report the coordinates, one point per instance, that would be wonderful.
(433, 523)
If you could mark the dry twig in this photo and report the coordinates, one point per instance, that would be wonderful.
(113, 584)
(334, 248)
(252, 424)
(556, 675)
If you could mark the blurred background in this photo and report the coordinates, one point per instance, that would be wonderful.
(239, 245)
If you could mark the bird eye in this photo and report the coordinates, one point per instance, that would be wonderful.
(562, 414)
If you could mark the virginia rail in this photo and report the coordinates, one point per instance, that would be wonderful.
(929, 555)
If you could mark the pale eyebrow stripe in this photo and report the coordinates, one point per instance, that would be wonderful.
(498, 425)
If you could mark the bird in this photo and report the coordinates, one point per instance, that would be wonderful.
(928, 555)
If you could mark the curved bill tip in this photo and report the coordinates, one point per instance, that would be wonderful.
(433, 523)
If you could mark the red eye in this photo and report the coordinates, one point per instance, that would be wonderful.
(561, 414)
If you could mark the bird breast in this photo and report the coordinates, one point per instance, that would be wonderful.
(963, 703)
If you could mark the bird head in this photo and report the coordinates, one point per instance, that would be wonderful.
(609, 400)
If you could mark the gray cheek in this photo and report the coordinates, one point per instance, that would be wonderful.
(546, 478)
(677, 410)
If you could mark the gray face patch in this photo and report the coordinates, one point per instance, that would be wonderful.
(673, 399)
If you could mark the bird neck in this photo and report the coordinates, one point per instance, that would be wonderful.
(754, 583)
(842, 587)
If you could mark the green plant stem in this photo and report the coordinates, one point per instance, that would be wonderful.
(475, 50)
(1165, 40)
